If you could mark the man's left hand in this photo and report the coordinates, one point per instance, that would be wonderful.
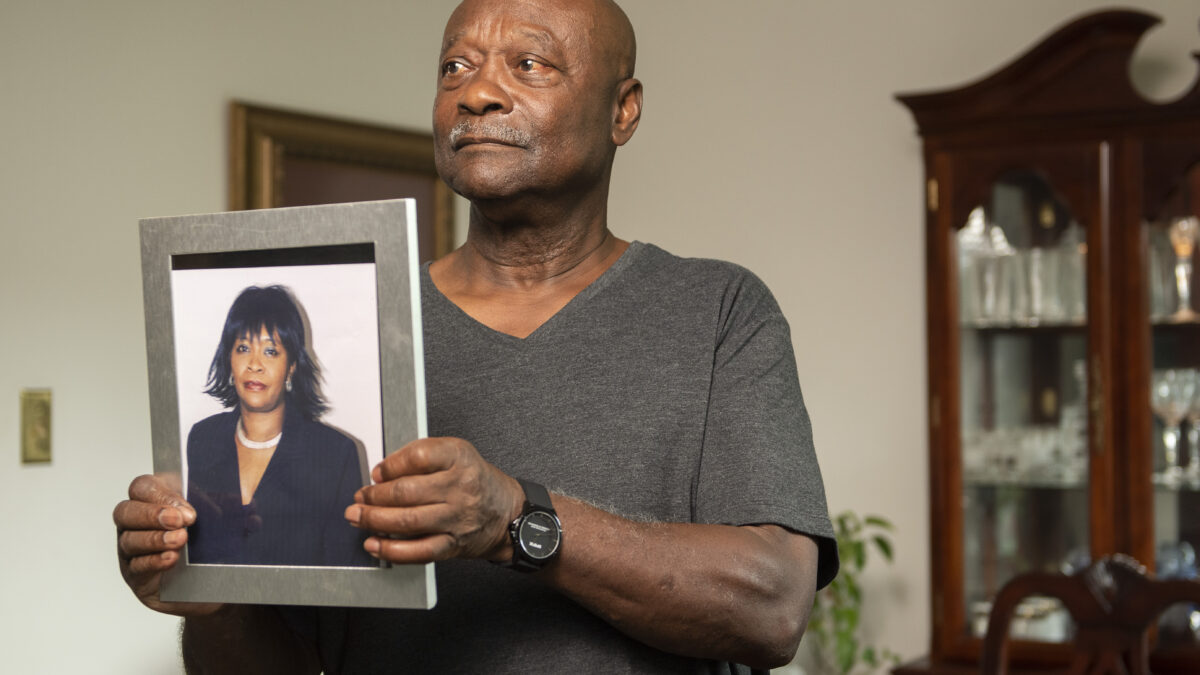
(435, 499)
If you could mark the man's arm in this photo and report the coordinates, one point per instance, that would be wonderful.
(739, 594)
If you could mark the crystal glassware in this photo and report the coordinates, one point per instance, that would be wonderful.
(1160, 269)
(1183, 233)
(1192, 472)
(1171, 393)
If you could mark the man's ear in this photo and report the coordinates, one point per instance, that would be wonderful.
(628, 110)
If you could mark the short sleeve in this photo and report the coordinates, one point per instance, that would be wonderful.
(758, 464)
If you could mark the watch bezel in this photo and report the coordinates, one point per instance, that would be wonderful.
(524, 541)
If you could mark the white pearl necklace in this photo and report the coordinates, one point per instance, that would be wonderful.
(256, 445)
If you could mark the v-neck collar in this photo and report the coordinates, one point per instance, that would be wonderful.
(563, 314)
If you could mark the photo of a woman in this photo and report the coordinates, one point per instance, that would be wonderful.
(268, 480)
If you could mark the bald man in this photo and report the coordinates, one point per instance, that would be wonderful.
(622, 478)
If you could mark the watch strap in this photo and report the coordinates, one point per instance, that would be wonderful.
(536, 497)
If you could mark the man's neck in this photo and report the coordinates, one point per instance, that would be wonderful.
(514, 275)
(528, 257)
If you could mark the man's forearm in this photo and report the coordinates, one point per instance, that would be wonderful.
(739, 594)
(245, 639)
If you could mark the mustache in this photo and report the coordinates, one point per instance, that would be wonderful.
(492, 130)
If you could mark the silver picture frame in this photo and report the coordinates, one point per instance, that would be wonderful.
(307, 244)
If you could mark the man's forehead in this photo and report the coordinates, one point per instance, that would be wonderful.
(546, 22)
(589, 30)
(541, 36)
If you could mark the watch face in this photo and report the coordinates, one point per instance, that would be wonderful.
(539, 535)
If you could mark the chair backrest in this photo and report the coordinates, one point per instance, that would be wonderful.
(1113, 602)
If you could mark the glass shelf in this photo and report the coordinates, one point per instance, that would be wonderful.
(1029, 482)
(1168, 322)
(1031, 325)
(1162, 484)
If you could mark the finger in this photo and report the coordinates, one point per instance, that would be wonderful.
(413, 521)
(133, 543)
(424, 455)
(408, 490)
(150, 564)
(155, 490)
(412, 551)
(131, 515)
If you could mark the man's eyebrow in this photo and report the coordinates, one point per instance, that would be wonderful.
(450, 40)
(544, 39)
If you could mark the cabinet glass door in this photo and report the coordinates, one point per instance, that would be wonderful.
(1175, 397)
(1023, 349)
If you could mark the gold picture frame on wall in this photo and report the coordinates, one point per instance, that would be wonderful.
(289, 158)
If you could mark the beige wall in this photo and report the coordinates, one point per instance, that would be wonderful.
(770, 138)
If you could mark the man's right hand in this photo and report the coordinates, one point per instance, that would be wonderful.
(151, 532)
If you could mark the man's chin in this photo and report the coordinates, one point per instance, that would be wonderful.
(489, 186)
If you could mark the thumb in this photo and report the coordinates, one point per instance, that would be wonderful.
(161, 490)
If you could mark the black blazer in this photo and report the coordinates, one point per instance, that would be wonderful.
(296, 515)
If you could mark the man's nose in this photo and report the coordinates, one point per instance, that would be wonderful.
(485, 92)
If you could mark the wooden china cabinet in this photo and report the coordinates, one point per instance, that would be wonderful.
(1062, 218)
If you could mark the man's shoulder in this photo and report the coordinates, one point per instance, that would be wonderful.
(696, 273)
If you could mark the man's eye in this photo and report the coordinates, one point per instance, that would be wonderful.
(452, 68)
(529, 65)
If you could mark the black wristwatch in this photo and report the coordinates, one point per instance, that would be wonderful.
(536, 533)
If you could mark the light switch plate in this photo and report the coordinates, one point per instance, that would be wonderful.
(35, 426)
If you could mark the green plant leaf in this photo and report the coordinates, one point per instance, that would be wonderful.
(848, 521)
(884, 546)
(838, 608)
(880, 522)
(868, 656)
(846, 651)
(859, 554)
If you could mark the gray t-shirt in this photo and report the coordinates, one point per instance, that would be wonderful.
(666, 390)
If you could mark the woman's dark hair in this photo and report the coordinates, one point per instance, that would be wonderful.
(272, 310)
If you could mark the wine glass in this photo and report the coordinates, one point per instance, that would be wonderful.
(1192, 473)
(1183, 232)
(1171, 393)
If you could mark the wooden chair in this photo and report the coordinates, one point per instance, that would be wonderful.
(1113, 603)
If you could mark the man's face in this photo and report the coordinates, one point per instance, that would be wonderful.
(523, 103)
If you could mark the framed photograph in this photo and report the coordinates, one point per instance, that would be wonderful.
(284, 158)
(285, 359)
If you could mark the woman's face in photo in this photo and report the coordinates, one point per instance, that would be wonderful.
(260, 371)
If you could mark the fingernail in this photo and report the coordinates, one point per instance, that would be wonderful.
(188, 515)
(377, 474)
(372, 545)
(173, 538)
(169, 518)
(353, 513)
